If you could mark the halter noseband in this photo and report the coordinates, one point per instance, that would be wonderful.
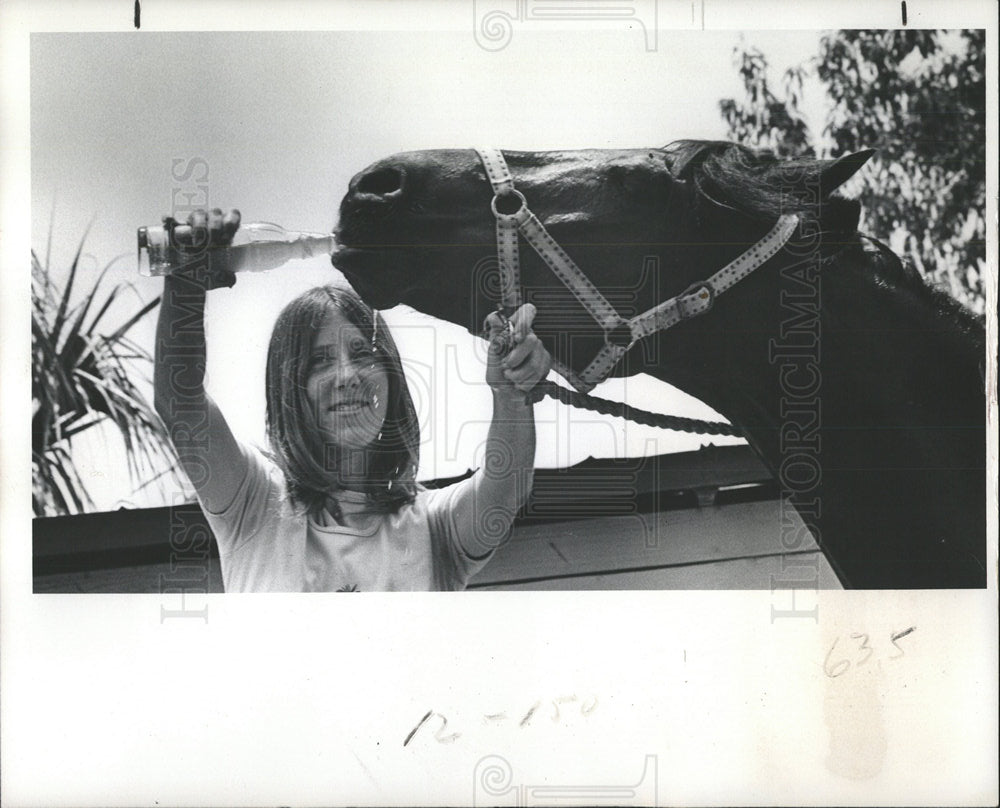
(619, 334)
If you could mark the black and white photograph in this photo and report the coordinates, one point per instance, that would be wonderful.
(635, 361)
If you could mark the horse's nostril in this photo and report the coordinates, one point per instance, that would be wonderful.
(381, 182)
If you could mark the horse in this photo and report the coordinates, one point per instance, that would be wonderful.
(861, 387)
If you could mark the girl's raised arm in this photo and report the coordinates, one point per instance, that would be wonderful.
(483, 515)
(208, 452)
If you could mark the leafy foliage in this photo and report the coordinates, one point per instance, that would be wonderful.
(919, 97)
(764, 121)
(81, 378)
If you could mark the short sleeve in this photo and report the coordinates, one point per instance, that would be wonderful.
(257, 497)
(450, 546)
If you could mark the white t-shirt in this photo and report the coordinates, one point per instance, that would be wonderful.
(268, 544)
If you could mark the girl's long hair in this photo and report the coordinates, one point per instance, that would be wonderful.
(311, 466)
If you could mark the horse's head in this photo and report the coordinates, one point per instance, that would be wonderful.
(417, 228)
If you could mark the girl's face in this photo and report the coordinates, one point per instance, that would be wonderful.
(347, 387)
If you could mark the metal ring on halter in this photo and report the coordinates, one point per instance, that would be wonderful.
(510, 192)
(619, 336)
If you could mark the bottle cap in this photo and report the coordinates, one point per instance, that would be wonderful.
(151, 245)
(152, 238)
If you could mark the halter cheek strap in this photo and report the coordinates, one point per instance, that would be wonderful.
(619, 334)
(523, 222)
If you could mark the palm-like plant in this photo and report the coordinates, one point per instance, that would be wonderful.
(80, 378)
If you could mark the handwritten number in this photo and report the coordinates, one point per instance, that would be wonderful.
(438, 736)
(864, 646)
(895, 637)
(586, 708)
(420, 723)
(531, 712)
(839, 668)
(445, 738)
(834, 668)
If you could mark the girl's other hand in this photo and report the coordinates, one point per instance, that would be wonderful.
(527, 361)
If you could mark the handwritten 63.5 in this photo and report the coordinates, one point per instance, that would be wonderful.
(839, 662)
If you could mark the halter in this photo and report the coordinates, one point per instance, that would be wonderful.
(619, 334)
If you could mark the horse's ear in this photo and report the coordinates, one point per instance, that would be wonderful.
(835, 173)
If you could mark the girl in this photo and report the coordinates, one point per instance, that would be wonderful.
(335, 506)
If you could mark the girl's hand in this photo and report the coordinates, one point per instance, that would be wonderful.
(205, 230)
(526, 363)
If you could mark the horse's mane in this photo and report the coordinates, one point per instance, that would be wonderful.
(752, 182)
(755, 183)
(899, 273)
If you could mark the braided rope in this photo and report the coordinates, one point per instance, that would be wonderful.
(501, 342)
(617, 408)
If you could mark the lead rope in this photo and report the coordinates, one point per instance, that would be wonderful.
(502, 343)
(605, 406)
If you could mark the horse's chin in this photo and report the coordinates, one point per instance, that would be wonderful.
(374, 296)
(373, 274)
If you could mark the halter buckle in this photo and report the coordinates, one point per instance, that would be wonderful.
(694, 287)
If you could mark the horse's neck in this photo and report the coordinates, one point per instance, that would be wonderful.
(876, 353)
(866, 401)
(875, 393)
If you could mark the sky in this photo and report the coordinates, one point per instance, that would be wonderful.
(282, 120)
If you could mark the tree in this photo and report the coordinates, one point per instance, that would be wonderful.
(80, 379)
(919, 97)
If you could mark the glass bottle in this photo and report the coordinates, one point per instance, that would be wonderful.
(256, 247)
